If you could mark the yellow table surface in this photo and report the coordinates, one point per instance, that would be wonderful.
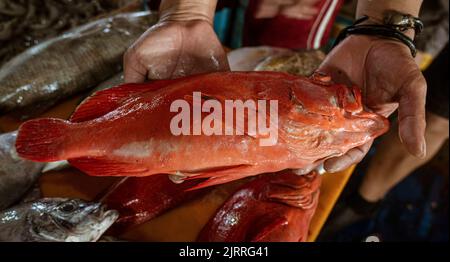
(180, 224)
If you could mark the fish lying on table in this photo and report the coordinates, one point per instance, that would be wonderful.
(111, 82)
(126, 130)
(17, 175)
(55, 220)
(247, 58)
(302, 63)
(140, 199)
(275, 207)
(265, 58)
(73, 62)
(26, 23)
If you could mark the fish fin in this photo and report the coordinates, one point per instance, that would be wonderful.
(96, 166)
(222, 176)
(105, 101)
(41, 140)
(265, 225)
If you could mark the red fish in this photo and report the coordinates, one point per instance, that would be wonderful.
(139, 199)
(126, 130)
(274, 207)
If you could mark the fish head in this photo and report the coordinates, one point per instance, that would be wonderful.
(318, 101)
(325, 119)
(69, 220)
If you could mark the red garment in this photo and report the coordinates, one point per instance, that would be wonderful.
(281, 31)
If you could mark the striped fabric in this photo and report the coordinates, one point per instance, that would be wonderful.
(282, 31)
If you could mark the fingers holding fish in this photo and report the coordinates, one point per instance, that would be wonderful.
(353, 156)
(172, 49)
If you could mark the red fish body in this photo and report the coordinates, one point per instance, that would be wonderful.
(139, 199)
(125, 131)
(271, 208)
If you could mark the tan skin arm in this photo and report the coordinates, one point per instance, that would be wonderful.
(185, 10)
(182, 43)
(388, 75)
(375, 9)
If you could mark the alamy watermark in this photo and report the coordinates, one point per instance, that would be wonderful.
(230, 120)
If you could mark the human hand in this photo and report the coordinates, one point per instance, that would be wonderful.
(297, 9)
(390, 79)
(172, 49)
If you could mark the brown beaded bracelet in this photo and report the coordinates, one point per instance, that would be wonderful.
(383, 30)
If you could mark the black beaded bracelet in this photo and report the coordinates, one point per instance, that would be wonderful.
(387, 31)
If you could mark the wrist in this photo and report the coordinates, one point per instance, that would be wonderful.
(394, 26)
(376, 21)
(187, 10)
(370, 41)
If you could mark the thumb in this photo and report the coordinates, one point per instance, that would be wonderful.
(132, 70)
(411, 114)
(335, 66)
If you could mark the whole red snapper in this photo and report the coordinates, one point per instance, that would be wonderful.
(125, 131)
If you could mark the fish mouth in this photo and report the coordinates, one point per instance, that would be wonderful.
(105, 218)
(102, 212)
(98, 219)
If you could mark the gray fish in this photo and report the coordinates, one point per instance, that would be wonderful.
(17, 175)
(112, 82)
(25, 23)
(33, 194)
(71, 63)
(56, 220)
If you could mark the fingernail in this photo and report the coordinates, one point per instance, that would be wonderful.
(333, 168)
(423, 149)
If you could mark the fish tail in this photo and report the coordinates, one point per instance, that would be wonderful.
(42, 139)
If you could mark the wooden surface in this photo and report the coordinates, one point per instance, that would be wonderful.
(180, 224)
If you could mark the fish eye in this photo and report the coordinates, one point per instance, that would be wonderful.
(67, 207)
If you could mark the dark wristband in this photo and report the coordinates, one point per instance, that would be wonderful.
(386, 31)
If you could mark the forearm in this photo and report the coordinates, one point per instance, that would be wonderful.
(185, 10)
(375, 9)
